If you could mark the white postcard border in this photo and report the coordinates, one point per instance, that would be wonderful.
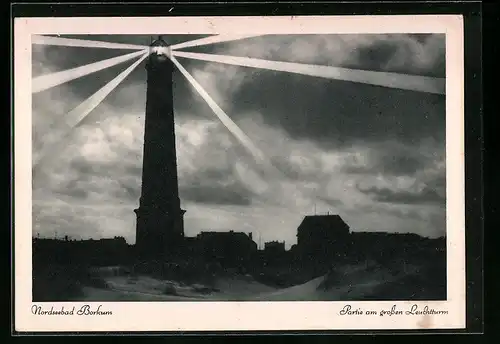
(241, 316)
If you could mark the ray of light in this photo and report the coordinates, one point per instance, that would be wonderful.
(210, 40)
(223, 117)
(75, 116)
(44, 82)
(385, 79)
(258, 155)
(83, 43)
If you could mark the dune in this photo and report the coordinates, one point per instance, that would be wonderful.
(347, 282)
(303, 292)
(146, 288)
(111, 295)
(241, 286)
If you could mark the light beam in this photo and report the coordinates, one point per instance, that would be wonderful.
(75, 116)
(83, 43)
(44, 82)
(385, 79)
(210, 40)
(223, 117)
(258, 155)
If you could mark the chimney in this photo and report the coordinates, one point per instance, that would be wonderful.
(250, 235)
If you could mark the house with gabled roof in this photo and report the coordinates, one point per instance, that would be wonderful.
(324, 236)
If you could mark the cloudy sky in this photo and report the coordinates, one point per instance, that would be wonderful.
(374, 155)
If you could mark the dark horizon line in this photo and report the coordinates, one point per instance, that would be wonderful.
(246, 233)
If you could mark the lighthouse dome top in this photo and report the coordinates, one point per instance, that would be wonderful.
(160, 49)
(159, 42)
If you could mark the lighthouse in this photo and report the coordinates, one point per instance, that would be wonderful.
(160, 219)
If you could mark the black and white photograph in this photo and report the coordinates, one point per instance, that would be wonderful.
(233, 167)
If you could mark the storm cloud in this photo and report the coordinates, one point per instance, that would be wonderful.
(424, 196)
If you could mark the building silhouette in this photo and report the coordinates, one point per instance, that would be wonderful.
(95, 252)
(275, 253)
(274, 247)
(322, 237)
(230, 249)
(160, 223)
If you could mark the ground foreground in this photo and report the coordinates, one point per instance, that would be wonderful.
(368, 281)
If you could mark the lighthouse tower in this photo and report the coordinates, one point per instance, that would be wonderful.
(160, 224)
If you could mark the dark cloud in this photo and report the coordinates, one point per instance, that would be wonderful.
(131, 189)
(385, 195)
(330, 201)
(400, 164)
(438, 184)
(336, 113)
(74, 189)
(375, 56)
(295, 171)
(229, 195)
(87, 178)
(333, 113)
(422, 54)
(391, 55)
(394, 210)
(215, 185)
(93, 178)
(393, 159)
